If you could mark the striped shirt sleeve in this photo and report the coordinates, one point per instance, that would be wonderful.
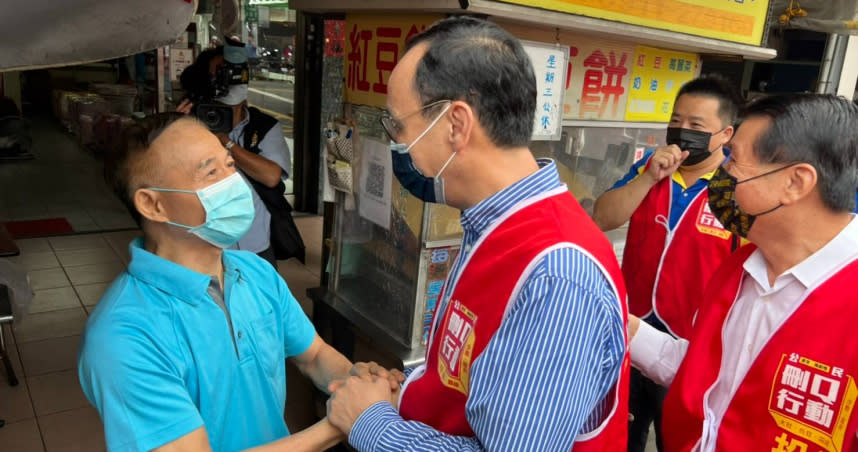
(541, 379)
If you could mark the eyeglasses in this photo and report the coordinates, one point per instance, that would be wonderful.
(393, 126)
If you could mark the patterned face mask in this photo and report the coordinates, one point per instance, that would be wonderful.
(722, 201)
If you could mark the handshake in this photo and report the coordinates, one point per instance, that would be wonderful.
(366, 385)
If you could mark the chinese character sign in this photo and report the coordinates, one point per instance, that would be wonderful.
(656, 77)
(709, 225)
(597, 80)
(374, 44)
(549, 65)
(813, 401)
(740, 21)
(457, 346)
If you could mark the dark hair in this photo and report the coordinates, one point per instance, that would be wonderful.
(478, 62)
(196, 79)
(720, 89)
(120, 166)
(820, 130)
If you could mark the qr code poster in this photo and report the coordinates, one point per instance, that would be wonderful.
(376, 178)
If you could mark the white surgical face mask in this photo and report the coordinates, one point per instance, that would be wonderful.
(237, 94)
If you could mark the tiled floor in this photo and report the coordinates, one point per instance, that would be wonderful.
(47, 410)
(62, 181)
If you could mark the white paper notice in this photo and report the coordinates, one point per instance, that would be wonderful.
(179, 60)
(376, 178)
(549, 66)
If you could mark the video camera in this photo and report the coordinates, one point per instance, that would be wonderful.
(207, 87)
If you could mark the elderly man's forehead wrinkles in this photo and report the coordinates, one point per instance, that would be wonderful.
(206, 163)
(171, 148)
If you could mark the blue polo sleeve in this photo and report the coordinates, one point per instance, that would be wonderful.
(299, 331)
(135, 386)
(636, 170)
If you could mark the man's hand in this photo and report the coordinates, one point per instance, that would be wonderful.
(665, 161)
(185, 107)
(363, 370)
(634, 324)
(354, 396)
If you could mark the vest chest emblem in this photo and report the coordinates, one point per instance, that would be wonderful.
(708, 224)
(456, 346)
(811, 401)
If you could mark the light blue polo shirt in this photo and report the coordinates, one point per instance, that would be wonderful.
(160, 359)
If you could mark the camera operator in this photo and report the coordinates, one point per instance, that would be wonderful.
(216, 86)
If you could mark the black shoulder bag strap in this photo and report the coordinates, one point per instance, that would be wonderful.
(285, 237)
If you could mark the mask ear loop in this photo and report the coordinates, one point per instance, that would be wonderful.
(768, 211)
(767, 173)
(431, 125)
(446, 164)
(716, 133)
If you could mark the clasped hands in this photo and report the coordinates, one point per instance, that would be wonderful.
(368, 384)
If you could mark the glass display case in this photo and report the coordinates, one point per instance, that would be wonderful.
(591, 159)
(387, 280)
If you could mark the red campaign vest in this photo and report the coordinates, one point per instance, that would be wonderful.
(436, 393)
(665, 273)
(800, 392)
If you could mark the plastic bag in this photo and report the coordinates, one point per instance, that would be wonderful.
(339, 143)
(18, 284)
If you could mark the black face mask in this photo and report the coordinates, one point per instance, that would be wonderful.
(722, 201)
(695, 142)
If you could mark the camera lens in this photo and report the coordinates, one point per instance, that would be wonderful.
(216, 117)
(213, 119)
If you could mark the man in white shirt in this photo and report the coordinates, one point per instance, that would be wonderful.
(772, 359)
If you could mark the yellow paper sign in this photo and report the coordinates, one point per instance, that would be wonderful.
(374, 44)
(740, 21)
(657, 75)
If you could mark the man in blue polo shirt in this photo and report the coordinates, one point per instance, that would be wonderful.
(186, 350)
(674, 242)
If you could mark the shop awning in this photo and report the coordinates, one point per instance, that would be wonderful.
(544, 14)
(47, 33)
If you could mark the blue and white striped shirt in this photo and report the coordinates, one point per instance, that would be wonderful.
(543, 376)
